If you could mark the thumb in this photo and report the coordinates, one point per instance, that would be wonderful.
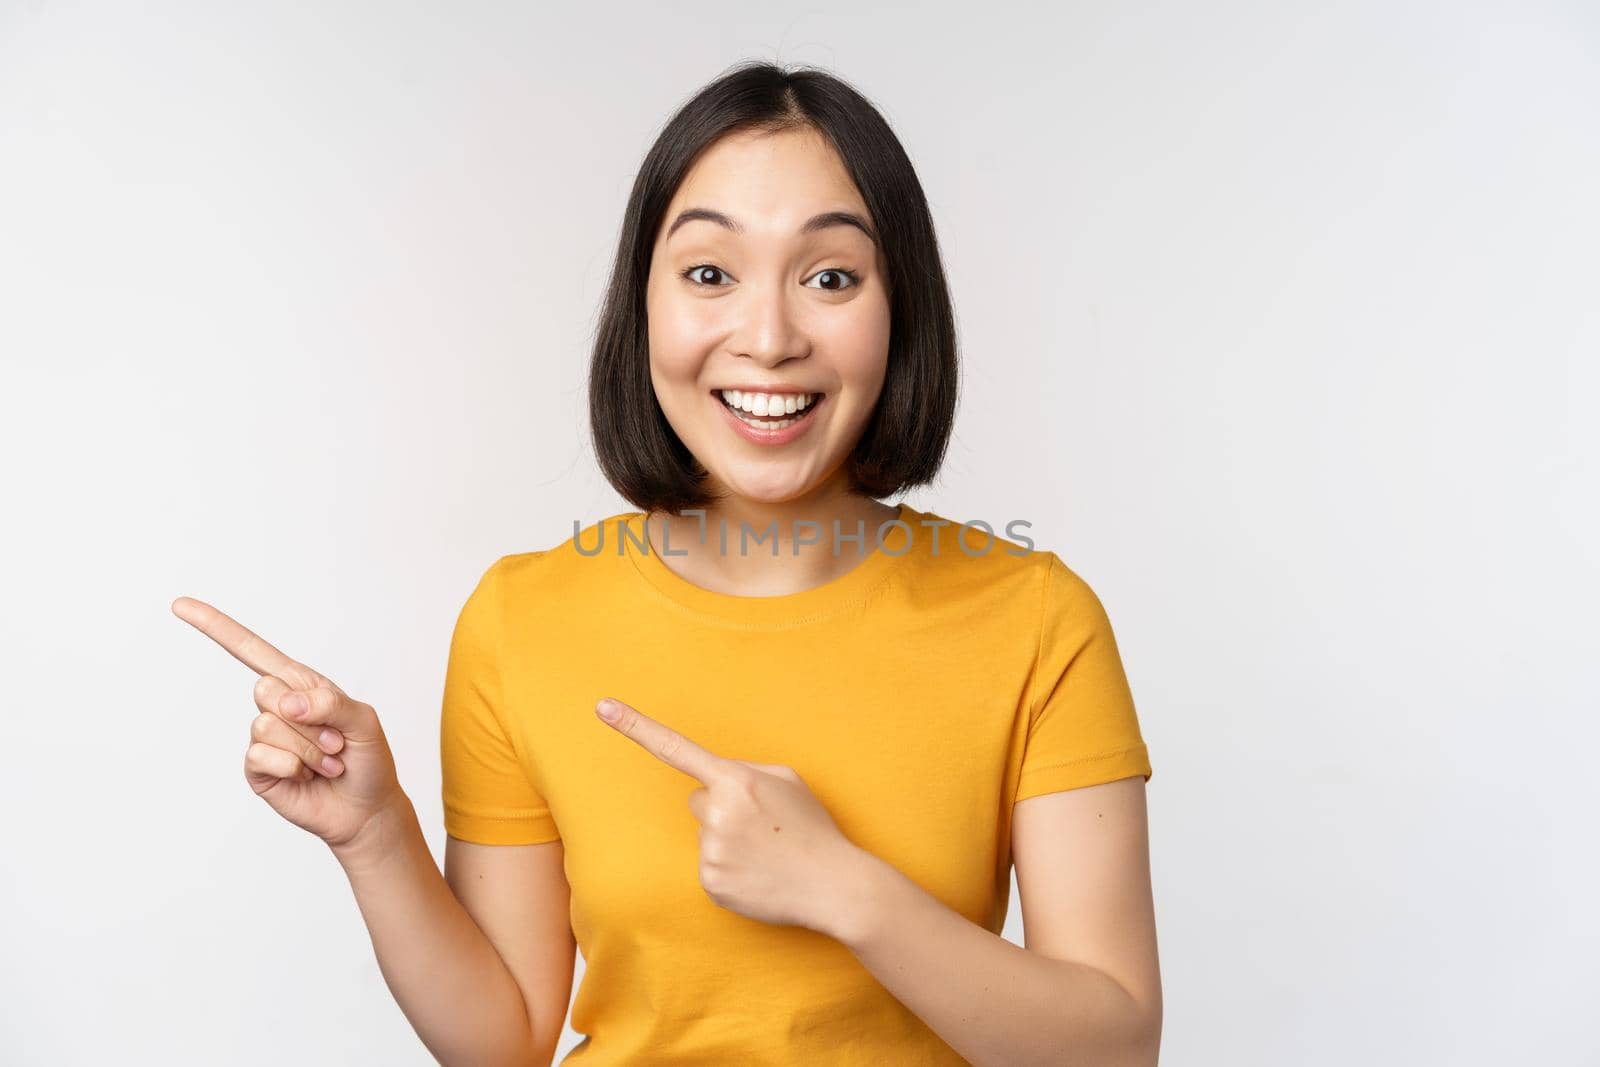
(323, 706)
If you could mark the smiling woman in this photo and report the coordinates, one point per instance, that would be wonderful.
(787, 835)
(765, 871)
(777, 240)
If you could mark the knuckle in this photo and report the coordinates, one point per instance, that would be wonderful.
(324, 701)
(316, 705)
(266, 759)
(260, 727)
(672, 744)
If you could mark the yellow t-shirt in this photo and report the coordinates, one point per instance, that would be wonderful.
(919, 695)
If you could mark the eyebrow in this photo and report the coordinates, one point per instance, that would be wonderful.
(812, 225)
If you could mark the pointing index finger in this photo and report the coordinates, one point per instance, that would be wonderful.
(667, 744)
(242, 644)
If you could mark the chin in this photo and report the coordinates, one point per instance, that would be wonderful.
(768, 493)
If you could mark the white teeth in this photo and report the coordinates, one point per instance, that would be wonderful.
(779, 405)
(768, 403)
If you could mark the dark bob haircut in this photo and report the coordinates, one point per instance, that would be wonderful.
(905, 439)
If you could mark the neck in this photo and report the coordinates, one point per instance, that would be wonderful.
(802, 527)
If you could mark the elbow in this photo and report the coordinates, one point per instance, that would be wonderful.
(536, 1048)
(1129, 1038)
(1137, 1039)
(542, 1045)
(537, 1052)
(1141, 1048)
(1145, 1044)
(1147, 1053)
(544, 1054)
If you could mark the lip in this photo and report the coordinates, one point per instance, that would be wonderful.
(767, 437)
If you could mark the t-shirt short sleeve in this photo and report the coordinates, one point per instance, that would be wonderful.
(1082, 726)
(488, 796)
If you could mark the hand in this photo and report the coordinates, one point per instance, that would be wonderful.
(303, 719)
(769, 850)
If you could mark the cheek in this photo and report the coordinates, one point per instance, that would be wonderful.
(859, 344)
(677, 340)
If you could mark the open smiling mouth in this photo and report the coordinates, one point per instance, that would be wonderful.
(769, 420)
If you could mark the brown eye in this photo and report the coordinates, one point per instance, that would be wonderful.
(836, 280)
(701, 274)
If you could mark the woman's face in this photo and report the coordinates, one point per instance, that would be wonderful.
(781, 299)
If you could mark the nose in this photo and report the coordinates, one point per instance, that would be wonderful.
(768, 330)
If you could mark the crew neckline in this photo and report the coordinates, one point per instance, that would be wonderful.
(807, 605)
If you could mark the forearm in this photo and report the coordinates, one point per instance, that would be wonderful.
(444, 973)
(994, 1002)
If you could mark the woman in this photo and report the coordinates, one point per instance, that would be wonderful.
(834, 728)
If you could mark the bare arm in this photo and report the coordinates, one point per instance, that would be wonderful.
(444, 972)
(1086, 989)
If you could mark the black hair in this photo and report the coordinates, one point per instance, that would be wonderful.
(905, 439)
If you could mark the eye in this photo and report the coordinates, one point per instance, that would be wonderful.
(695, 274)
(838, 273)
(700, 275)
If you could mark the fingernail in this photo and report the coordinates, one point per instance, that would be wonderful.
(608, 710)
(331, 765)
(328, 739)
(294, 705)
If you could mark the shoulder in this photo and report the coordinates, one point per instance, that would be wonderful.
(571, 557)
(972, 551)
(563, 581)
(1065, 588)
(1001, 571)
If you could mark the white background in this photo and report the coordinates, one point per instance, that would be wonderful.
(1278, 320)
